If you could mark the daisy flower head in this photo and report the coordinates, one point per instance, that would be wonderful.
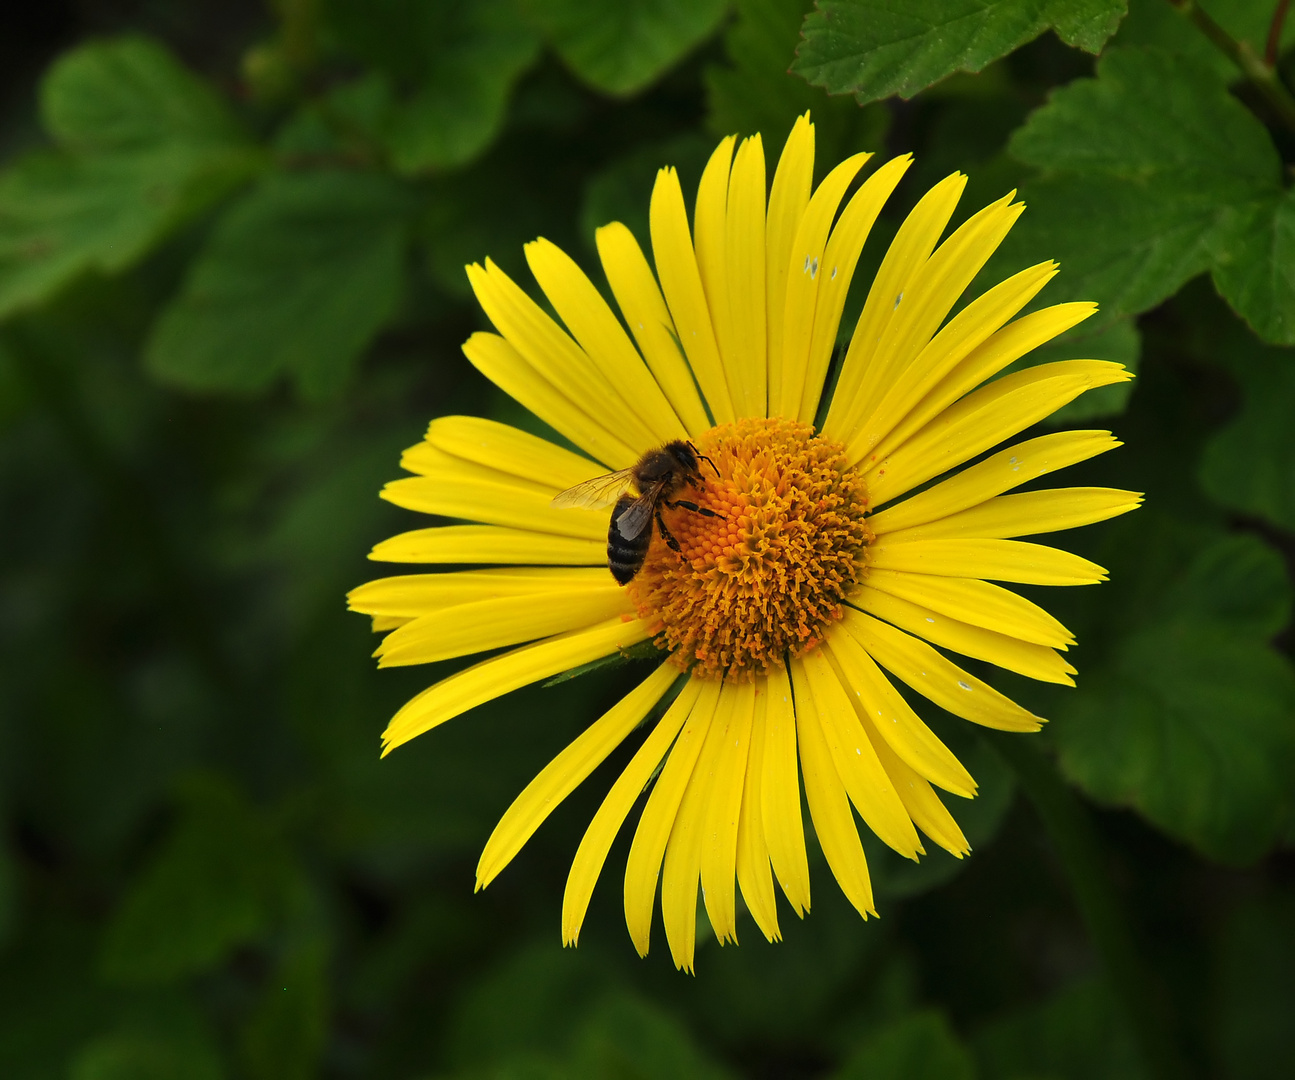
(795, 565)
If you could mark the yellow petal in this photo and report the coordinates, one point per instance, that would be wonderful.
(1002, 348)
(493, 502)
(1012, 654)
(1027, 514)
(600, 334)
(859, 387)
(866, 782)
(744, 354)
(920, 801)
(888, 712)
(724, 794)
(676, 266)
(606, 823)
(803, 282)
(648, 318)
(784, 828)
(412, 595)
(568, 770)
(977, 602)
(492, 623)
(1003, 471)
(499, 675)
(490, 544)
(997, 560)
(981, 420)
(499, 446)
(551, 353)
(681, 870)
(753, 873)
(792, 182)
(709, 240)
(424, 459)
(829, 807)
(643, 866)
(504, 366)
(837, 271)
(934, 676)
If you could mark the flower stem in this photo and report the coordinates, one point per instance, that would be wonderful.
(1262, 73)
(1070, 828)
(1275, 33)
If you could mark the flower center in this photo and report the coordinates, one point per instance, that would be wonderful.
(767, 577)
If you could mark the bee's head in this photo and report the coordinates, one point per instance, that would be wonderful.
(688, 457)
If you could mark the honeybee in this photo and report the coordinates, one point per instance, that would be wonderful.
(656, 477)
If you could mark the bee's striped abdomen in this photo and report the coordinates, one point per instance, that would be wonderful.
(625, 557)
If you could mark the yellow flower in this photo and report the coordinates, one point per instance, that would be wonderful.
(807, 579)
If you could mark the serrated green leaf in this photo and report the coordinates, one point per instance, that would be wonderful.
(217, 882)
(919, 1046)
(1151, 174)
(145, 146)
(297, 277)
(1190, 718)
(621, 46)
(1249, 465)
(876, 48)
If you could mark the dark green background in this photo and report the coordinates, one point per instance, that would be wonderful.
(231, 291)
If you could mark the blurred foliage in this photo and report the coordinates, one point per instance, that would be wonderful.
(231, 290)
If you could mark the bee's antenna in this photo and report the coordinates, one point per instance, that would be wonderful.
(702, 457)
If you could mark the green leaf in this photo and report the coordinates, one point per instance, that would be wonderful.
(1249, 465)
(145, 147)
(217, 883)
(627, 1037)
(621, 46)
(875, 48)
(298, 277)
(1151, 174)
(756, 92)
(1164, 26)
(1190, 717)
(919, 1046)
(145, 1057)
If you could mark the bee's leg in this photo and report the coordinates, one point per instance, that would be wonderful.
(671, 542)
(684, 504)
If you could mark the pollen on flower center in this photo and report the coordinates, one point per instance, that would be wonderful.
(767, 578)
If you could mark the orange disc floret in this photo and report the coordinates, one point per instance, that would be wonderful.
(766, 578)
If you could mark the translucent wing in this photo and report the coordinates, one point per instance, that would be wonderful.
(594, 494)
(637, 516)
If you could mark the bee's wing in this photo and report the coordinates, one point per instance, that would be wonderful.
(636, 518)
(594, 494)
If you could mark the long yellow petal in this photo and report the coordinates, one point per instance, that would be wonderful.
(753, 872)
(936, 677)
(1027, 514)
(424, 459)
(499, 675)
(607, 822)
(997, 560)
(492, 623)
(793, 181)
(600, 334)
(710, 235)
(981, 420)
(844, 246)
(980, 603)
(781, 815)
(411, 595)
(1003, 471)
(676, 267)
(504, 366)
(890, 714)
(489, 544)
(829, 807)
(719, 848)
(549, 350)
(643, 306)
(985, 361)
(493, 502)
(643, 867)
(681, 870)
(744, 356)
(859, 387)
(803, 282)
(1012, 654)
(568, 770)
(866, 782)
(519, 453)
